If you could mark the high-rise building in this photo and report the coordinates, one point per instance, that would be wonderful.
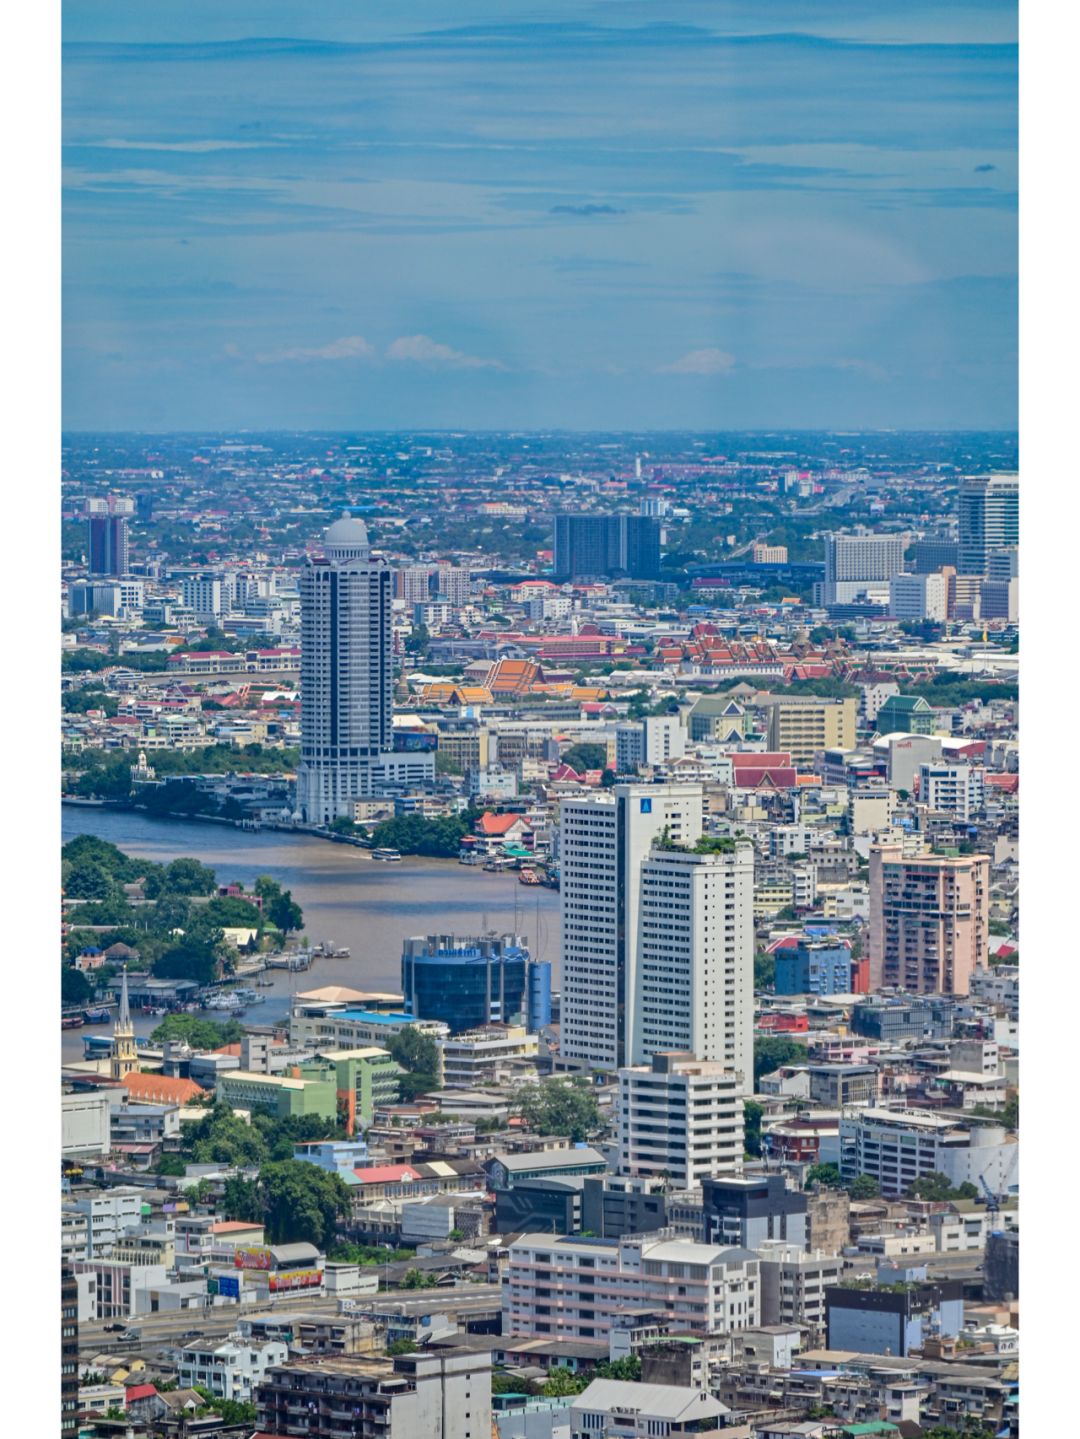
(412, 583)
(989, 514)
(205, 596)
(932, 553)
(680, 1118)
(603, 840)
(600, 546)
(107, 535)
(857, 564)
(453, 584)
(691, 984)
(346, 678)
(929, 918)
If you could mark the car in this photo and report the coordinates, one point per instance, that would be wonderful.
(114, 1328)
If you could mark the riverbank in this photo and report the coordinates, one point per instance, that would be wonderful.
(347, 898)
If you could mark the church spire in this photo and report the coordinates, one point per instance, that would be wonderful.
(123, 1019)
(124, 1056)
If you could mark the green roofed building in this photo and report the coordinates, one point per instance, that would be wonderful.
(906, 714)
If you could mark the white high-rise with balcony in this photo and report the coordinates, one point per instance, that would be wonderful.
(693, 969)
(680, 1118)
(603, 840)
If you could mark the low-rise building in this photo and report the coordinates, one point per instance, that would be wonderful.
(230, 1369)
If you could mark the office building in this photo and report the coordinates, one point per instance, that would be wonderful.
(746, 1212)
(680, 1118)
(346, 680)
(892, 1319)
(906, 715)
(989, 515)
(955, 789)
(897, 1147)
(603, 546)
(603, 840)
(440, 1394)
(691, 983)
(860, 566)
(932, 553)
(205, 596)
(919, 597)
(572, 1288)
(793, 1284)
(929, 917)
(813, 967)
(804, 726)
(476, 980)
(107, 538)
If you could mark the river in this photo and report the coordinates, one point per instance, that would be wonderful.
(347, 897)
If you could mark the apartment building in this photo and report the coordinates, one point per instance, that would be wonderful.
(858, 565)
(929, 918)
(955, 789)
(572, 1288)
(793, 1284)
(231, 1368)
(680, 1118)
(803, 726)
(603, 840)
(444, 1394)
(691, 986)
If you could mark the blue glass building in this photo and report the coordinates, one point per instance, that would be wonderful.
(468, 981)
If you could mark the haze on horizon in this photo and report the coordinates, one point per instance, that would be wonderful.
(581, 216)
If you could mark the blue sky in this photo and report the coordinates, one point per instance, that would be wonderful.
(598, 214)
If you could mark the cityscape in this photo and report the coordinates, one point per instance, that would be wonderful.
(543, 965)
(538, 534)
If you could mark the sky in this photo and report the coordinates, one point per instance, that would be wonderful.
(582, 214)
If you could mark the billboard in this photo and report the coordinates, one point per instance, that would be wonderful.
(296, 1279)
(253, 1258)
(414, 742)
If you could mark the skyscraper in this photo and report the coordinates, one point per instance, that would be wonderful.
(107, 535)
(603, 840)
(601, 546)
(346, 679)
(692, 981)
(989, 514)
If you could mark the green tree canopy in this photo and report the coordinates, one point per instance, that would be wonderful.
(559, 1106)
(199, 1033)
(827, 1175)
(863, 1186)
(585, 755)
(770, 1054)
(301, 1202)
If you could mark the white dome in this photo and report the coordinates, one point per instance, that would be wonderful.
(346, 533)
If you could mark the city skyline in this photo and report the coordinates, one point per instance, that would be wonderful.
(395, 223)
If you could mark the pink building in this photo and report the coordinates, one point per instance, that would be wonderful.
(928, 920)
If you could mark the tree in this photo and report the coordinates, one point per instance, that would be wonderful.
(764, 970)
(561, 1382)
(240, 1199)
(301, 1202)
(864, 1187)
(402, 1346)
(586, 755)
(827, 1175)
(770, 1054)
(417, 640)
(418, 1055)
(75, 988)
(559, 1106)
(417, 1279)
(171, 1164)
(199, 1033)
(188, 876)
(285, 914)
(188, 961)
(231, 912)
(752, 1116)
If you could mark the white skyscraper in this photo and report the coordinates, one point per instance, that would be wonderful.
(692, 983)
(861, 564)
(604, 838)
(346, 677)
(989, 515)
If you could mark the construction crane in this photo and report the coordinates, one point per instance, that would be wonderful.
(993, 1203)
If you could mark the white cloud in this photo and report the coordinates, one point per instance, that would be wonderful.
(422, 349)
(700, 362)
(178, 147)
(349, 347)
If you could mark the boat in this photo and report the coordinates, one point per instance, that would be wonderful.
(327, 949)
(265, 983)
(499, 863)
(390, 856)
(528, 876)
(71, 1021)
(96, 1016)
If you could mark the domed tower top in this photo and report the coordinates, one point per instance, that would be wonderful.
(347, 539)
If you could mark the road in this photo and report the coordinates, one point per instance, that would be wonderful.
(167, 1330)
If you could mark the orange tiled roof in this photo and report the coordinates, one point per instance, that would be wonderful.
(161, 1088)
